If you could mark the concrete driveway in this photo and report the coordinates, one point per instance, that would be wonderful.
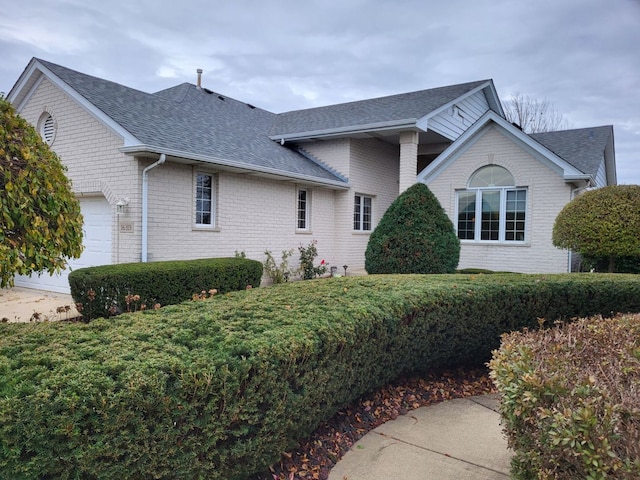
(24, 305)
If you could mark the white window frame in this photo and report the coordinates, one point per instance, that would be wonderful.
(359, 211)
(306, 218)
(213, 201)
(503, 191)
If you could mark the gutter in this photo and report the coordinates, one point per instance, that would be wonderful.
(145, 204)
(233, 165)
(404, 124)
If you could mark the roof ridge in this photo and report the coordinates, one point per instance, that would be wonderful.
(390, 96)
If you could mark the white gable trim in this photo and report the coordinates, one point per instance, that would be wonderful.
(567, 171)
(36, 68)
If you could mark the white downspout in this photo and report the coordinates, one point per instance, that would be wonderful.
(145, 204)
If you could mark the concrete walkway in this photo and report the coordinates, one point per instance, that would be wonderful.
(25, 304)
(454, 440)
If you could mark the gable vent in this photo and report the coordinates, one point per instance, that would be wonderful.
(48, 128)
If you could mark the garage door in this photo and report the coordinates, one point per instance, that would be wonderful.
(97, 247)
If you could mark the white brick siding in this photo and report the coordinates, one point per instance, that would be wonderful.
(547, 194)
(90, 152)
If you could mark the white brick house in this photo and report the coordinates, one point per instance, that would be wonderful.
(189, 173)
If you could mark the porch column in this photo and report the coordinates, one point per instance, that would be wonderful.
(408, 160)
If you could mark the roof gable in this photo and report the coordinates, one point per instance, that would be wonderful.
(569, 172)
(185, 122)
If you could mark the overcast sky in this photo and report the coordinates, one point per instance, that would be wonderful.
(583, 56)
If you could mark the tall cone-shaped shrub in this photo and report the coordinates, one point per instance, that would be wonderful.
(413, 236)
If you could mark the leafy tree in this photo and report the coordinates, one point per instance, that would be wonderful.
(533, 116)
(413, 236)
(601, 223)
(40, 220)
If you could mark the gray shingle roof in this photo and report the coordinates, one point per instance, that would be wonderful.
(192, 120)
(413, 105)
(583, 148)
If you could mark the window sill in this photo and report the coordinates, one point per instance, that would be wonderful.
(304, 232)
(204, 228)
(497, 244)
(361, 232)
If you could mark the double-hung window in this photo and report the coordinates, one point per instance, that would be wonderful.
(205, 200)
(362, 212)
(302, 211)
(492, 208)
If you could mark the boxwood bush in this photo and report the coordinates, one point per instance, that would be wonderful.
(571, 399)
(217, 389)
(102, 291)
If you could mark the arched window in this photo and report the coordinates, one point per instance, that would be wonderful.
(492, 208)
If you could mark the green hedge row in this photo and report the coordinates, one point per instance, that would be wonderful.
(107, 290)
(571, 399)
(217, 389)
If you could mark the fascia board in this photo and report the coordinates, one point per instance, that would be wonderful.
(150, 149)
(404, 124)
(105, 119)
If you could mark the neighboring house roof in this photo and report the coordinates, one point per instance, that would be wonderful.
(403, 110)
(192, 123)
(574, 161)
(584, 148)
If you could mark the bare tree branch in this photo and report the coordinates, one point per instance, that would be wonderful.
(532, 115)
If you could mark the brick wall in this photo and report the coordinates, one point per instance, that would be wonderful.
(90, 152)
(547, 194)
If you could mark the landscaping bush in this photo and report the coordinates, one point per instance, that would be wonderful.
(218, 388)
(571, 399)
(413, 236)
(108, 290)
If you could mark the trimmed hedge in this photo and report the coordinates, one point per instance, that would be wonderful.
(102, 291)
(217, 389)
(571, 399)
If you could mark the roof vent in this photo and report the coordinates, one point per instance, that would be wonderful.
(208, 91)
(221, 97)
(199, 80)
(250, 106)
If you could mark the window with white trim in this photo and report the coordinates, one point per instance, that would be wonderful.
(204, 200)
(362, 212)
(302, 209)
(492, 208)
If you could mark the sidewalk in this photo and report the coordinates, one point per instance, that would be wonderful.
(455, 440)
(19, 304)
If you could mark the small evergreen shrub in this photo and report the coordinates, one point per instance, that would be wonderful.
(414, 236)
(571, 399)
(218, 388)
(107, 290)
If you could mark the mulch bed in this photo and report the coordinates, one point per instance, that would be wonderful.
(314, 457)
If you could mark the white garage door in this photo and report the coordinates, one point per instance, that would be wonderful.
(97, 247)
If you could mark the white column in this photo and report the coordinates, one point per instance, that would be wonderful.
(408, 160)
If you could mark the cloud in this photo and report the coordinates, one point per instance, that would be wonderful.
(581, 55)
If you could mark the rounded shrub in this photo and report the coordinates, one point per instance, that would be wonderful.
(414, 236)
(602, 223)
